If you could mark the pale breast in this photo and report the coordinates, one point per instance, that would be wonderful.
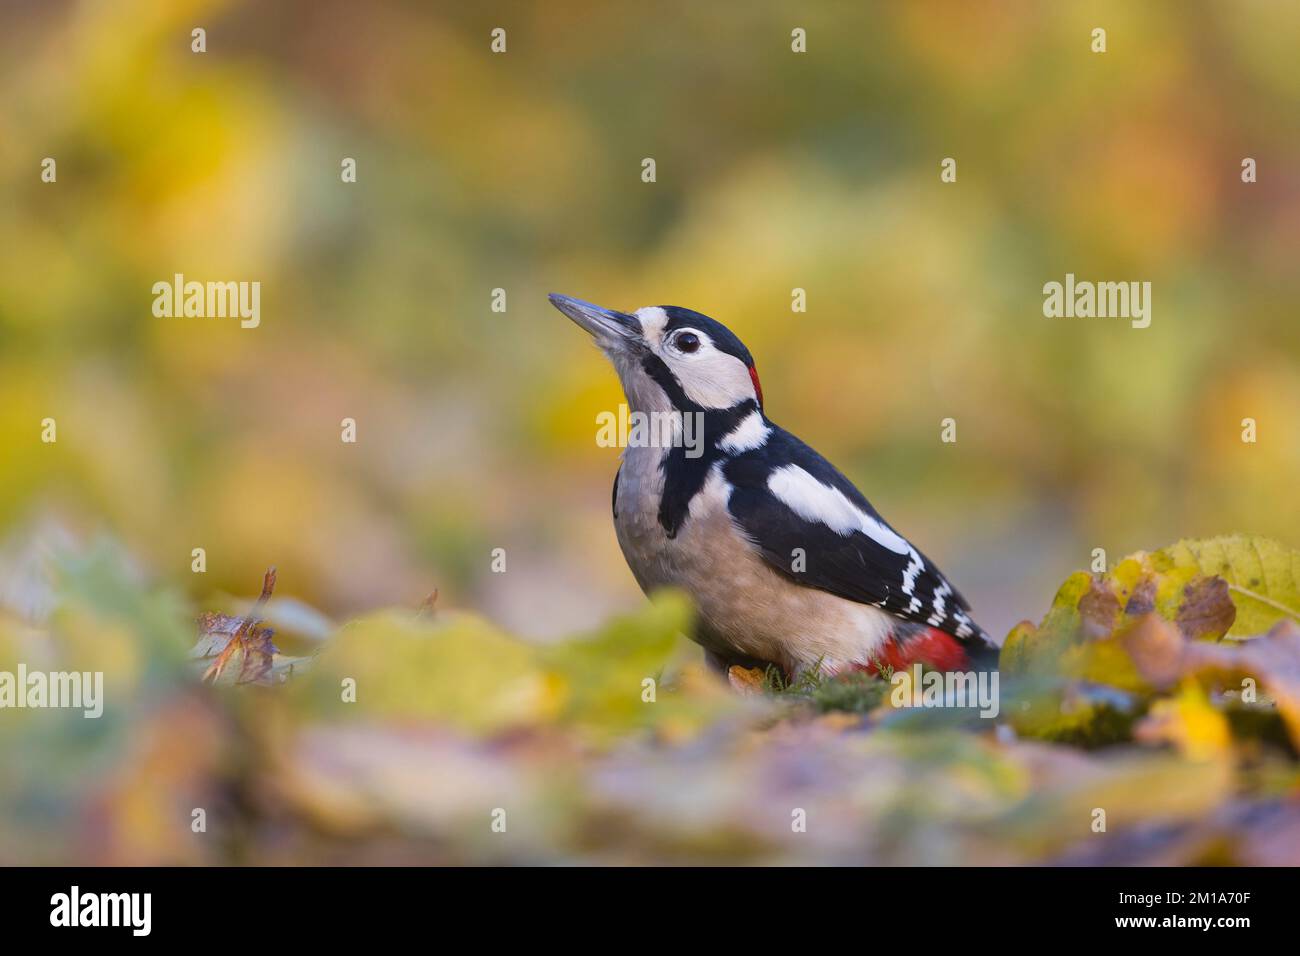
(747, 607)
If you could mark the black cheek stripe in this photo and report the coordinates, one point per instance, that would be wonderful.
(683, 476)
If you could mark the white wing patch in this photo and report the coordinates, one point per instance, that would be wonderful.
(812, 500)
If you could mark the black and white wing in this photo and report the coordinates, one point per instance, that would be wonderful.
(813, 526)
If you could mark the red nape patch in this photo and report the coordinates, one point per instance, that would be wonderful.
(933, 647)
(758, 389)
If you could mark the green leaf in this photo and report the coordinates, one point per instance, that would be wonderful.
(607, 678)
(461, 671)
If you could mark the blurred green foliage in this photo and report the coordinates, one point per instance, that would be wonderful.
(404, 737)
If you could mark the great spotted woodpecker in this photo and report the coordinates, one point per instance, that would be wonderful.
(787, 563)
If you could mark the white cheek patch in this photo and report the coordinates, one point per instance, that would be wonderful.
(751, 433)
(711, 380)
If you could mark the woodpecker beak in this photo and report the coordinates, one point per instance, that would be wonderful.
(610, 329)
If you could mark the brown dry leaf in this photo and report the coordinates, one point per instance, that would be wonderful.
(1090, 609)
(428, 607)
(1204, 607)
(1156, 648)
(746, 681)
(1098, 610)
(1207, 609)
(1142, 600)
(241, 639)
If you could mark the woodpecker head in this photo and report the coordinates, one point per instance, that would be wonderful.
(669, 357)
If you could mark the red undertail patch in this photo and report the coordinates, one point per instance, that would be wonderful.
(932, 647)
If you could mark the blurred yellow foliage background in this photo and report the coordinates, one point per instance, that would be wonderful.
(522, 172)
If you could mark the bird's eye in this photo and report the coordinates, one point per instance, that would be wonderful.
(687, 342)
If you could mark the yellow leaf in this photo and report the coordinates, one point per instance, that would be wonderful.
(1189, 722)
(1263, 575)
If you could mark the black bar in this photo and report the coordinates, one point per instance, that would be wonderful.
(970, 906)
